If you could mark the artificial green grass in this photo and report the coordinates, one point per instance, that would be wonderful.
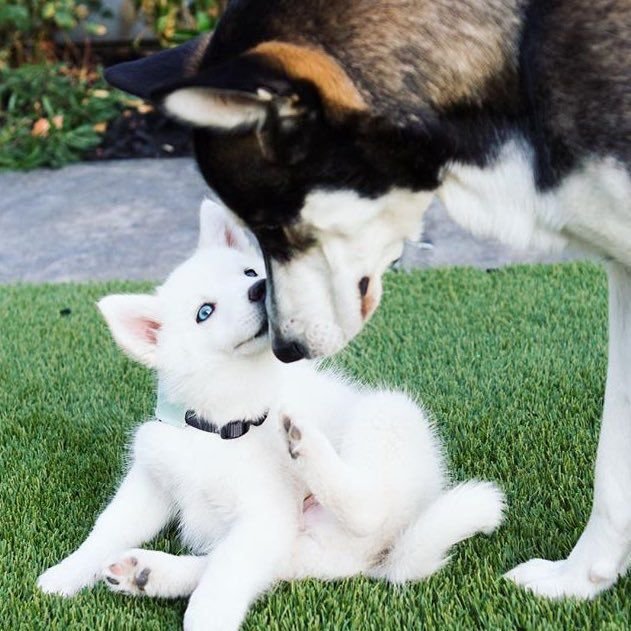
(511, 365)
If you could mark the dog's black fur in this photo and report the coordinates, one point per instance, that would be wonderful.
(435, 81)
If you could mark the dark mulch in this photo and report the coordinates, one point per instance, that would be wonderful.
(138, 134)
(140, 131)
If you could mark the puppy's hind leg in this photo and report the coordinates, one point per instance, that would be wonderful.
(153, 573)
(344, 487)
(454, 516)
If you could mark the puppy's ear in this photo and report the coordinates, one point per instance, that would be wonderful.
(219, 229)
(134, 321)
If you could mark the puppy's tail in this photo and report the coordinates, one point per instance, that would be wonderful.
(456, 515)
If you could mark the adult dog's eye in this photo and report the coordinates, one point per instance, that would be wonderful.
(205, 311)
(250, 272)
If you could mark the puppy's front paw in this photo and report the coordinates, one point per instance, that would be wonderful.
(67, 578)
(128, 575)
(293, 435)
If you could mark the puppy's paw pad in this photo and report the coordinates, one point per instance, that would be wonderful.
(122, 568)
(127, 575)
(293, 435)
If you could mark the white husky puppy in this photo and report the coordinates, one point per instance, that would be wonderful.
(276, 471)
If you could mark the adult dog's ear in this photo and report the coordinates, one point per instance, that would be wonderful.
(143, 77)
(249, 95)
(134, 322)
(276, 90)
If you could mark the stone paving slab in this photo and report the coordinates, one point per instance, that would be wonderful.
(137, 219)
(101, 220)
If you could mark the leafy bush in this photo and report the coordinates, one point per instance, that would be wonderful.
(51, 115)
(28, 27)
(175, 21)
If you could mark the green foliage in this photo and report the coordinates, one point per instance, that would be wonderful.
(175, 21)
(510, 364)
(28, 27)
(50, 115)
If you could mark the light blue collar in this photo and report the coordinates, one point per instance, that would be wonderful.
(179, 416)
(169, 412)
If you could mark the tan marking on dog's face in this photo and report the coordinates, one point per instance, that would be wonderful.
(368, 306)
(338, 92)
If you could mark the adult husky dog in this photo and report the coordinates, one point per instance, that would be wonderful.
(328, 126)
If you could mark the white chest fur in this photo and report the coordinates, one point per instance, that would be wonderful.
(590, 208)
(214, 481)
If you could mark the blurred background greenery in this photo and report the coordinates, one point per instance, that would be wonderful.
(54, 105)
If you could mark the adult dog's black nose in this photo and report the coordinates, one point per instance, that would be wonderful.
(256, 293)
(288, 351)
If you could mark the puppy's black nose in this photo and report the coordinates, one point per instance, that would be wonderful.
(288, 351)
(256, 293)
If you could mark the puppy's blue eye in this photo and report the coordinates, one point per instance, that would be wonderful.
(205, 311)
(250, 272)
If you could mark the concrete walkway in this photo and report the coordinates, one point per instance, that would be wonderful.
(137, 219)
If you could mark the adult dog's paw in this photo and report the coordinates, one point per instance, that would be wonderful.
(128, 574)
(563, 579)
(67, 578)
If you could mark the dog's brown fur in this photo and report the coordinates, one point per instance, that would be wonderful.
(406, 57)
(425, 52)
(405, 87)
(421, 53)
(310, 64)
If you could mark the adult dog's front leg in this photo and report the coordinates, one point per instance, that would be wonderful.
(603, 551)
(139, 510)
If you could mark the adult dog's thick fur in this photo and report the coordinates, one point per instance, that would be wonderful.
(328, 126)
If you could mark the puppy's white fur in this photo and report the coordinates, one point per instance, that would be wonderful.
(370, 458)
